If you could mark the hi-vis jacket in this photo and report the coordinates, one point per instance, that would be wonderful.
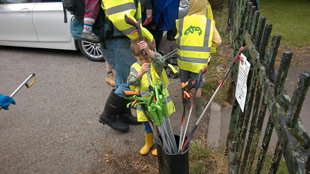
(144, 88)
(194, 41)
(116, 10)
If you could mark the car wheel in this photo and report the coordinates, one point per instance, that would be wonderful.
(91, 50)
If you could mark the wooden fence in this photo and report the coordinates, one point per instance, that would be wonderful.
(265, 94)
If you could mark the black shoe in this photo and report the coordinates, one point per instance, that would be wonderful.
(129, 119)
(112, 109)
(114, 124)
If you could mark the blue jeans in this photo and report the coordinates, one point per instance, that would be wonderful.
(147, 127)
(118, 54)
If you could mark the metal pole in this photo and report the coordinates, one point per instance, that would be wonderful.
(24, 83)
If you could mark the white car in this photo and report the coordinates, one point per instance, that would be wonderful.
(40, 24)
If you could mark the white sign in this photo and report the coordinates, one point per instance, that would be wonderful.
(241, 90)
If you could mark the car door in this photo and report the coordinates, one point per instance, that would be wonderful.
(48, 19)
(16, 20)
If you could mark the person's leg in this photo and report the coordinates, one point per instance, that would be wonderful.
(184, 77)
(91, 12)
(108, 68)
(111, 109)
(110, 77)
(122, 69)
(116, 54)
(148, 139)
(158, 35)
(124, 60)
(198, 99)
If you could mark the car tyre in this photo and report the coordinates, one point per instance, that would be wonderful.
(91, 50)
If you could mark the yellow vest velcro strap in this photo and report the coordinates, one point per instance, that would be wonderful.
(194, 60)
(121, 8)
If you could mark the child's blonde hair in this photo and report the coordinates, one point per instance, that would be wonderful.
(135, 49)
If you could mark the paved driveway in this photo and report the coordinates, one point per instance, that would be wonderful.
(53, 128)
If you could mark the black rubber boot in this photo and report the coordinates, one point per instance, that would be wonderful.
(112, 109)
(126, 115)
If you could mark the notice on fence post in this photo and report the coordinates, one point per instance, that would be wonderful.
(241, 89)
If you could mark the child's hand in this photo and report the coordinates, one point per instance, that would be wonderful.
(143, 45)
(145, 67)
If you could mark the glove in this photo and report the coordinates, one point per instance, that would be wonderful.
(147, 20)
(5, 101)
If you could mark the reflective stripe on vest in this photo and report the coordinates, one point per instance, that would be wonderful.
(116, 11)
(194, 44)
(121, 8)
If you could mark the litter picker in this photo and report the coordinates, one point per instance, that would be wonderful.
(192, 84)
(236, 58)
(28, 85)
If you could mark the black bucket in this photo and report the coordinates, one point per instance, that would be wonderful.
(173, 163)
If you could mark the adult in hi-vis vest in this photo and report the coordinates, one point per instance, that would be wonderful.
(116, 51)
(196, 35)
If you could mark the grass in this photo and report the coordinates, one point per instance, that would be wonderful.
(282, 169)
(220, 61)
(207, 160)
(290, 19)
(199, 150)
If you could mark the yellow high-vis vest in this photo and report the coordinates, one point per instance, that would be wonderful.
(194, 41)
(144, 89)
(209, 12)
(116, 10)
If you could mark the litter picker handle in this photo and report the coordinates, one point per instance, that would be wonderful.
(28, 85)
(130, 21)
(195, 83)
(131, 93)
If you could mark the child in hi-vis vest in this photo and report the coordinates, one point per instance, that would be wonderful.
(196, 38)
(152, 68)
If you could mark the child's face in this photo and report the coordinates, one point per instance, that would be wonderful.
(140, 59)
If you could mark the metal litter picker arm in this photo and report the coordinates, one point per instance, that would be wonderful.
(31, 76)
